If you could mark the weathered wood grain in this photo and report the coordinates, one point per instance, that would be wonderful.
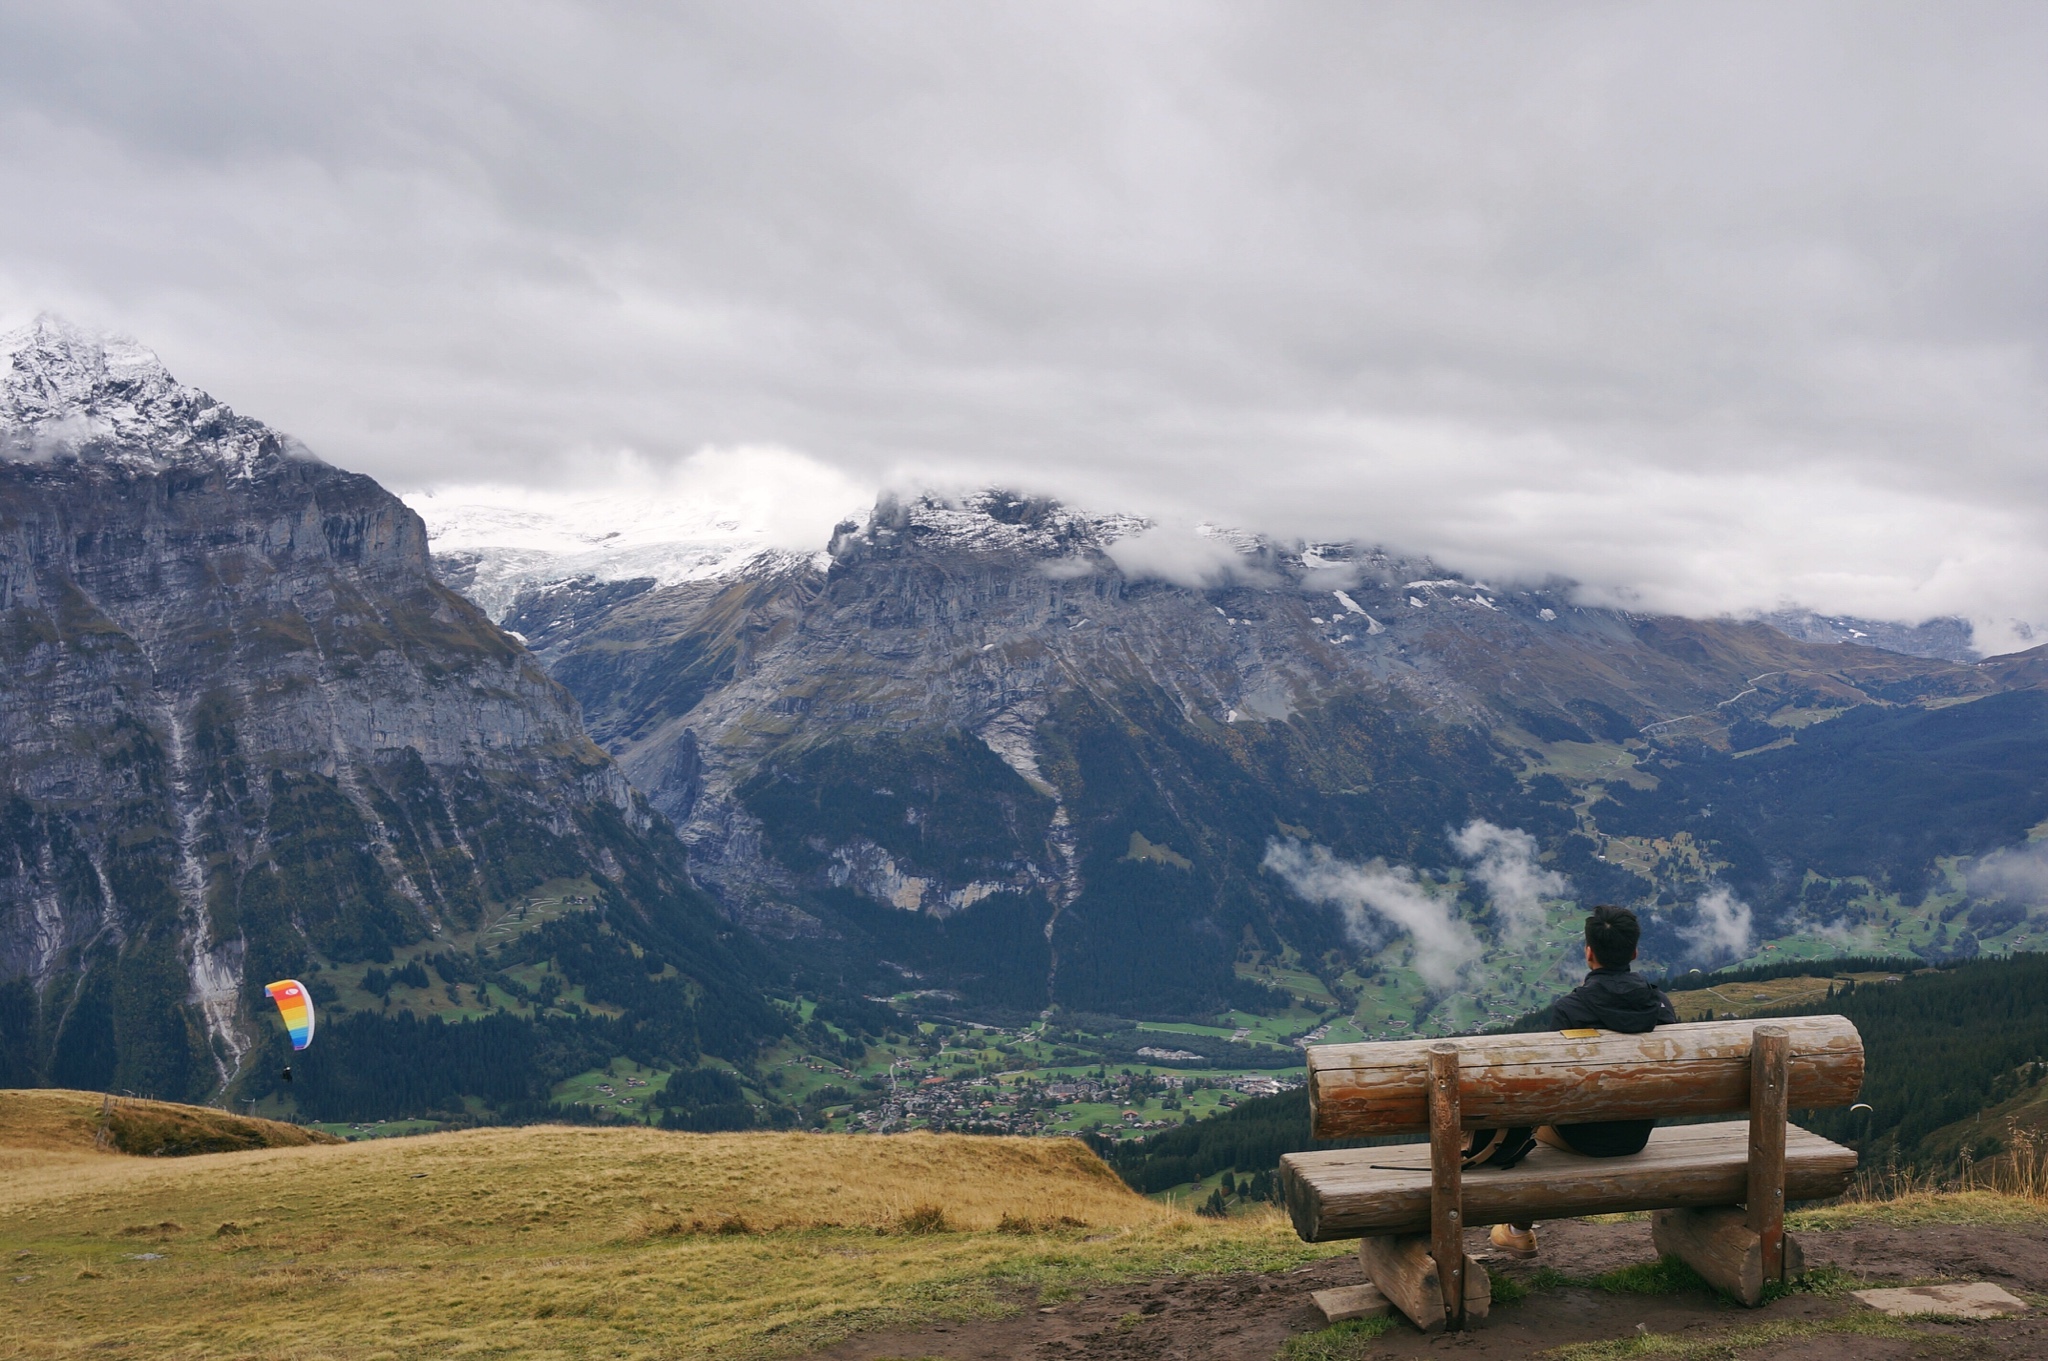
(1405, 1271)
(1719, 1244)
(1701, 1068)
(1446, 1154)
(1340, 1193)
(1406, 1274)
(1764, 1201)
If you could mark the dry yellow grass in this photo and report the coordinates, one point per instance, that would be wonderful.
(2011, 1188)
(552, 1242)
(55, 1118)
(1923, 1207)
(50, 1119)
(1770, 996)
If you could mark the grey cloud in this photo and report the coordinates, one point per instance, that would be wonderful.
(1707, 307)
(1187, 557)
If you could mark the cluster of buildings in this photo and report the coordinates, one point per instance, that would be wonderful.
(1033, 1106)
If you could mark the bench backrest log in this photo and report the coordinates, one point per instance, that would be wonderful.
(1700, 1068)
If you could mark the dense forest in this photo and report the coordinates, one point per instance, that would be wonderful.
(369, 1065)
(1941, 1045)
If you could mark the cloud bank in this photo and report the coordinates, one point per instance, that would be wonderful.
(1723, 929)
(1198, 557)
(1391, 895)
(704, 516)
(1710, 308)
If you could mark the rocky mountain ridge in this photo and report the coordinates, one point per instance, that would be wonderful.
(973, 747)
(75, 395)
(972, 751)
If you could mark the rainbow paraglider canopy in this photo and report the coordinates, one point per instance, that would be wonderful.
(295, 1004)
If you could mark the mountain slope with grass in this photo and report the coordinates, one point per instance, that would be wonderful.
(55, 1119)
(581, 1242)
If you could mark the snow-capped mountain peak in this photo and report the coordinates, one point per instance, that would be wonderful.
(69, 392)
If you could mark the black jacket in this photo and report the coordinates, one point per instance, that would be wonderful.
(1613, 999)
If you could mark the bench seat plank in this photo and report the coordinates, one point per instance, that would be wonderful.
(1346, 1193)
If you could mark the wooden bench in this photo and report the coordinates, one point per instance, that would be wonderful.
(1411, 1208)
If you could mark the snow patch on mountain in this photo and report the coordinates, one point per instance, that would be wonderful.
(720, 513)
(67, 392)
(989, 521)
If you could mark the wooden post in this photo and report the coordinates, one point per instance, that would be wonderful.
(1769, 1062)
(1446, 1164)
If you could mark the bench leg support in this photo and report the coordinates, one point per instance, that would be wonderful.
(1720, 1245)
(1446, 1182)
(1770, 1057)
(1406, 1274)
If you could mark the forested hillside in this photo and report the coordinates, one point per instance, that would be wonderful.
(1248, 1139)
(1942, 1045)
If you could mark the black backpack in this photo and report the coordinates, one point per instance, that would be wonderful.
(1501, 1148)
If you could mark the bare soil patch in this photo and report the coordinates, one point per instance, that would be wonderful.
(1252, 1317)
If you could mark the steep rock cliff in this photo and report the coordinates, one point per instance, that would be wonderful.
(245, 732)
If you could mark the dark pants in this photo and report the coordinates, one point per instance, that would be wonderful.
(1600, 1139)
(1607, 1138)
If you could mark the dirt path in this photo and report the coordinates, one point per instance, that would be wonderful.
(1249, 1318)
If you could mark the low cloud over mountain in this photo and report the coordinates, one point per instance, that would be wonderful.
(1707, 311)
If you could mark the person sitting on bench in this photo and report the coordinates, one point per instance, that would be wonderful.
(1611, 998)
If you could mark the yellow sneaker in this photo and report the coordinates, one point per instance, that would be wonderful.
(1513, 1241)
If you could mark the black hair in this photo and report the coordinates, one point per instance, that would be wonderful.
(1612, 932)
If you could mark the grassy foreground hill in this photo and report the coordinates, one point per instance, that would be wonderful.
(56, 1119)
(547, 1241)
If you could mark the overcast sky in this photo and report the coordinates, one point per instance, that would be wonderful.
(1712, 308)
